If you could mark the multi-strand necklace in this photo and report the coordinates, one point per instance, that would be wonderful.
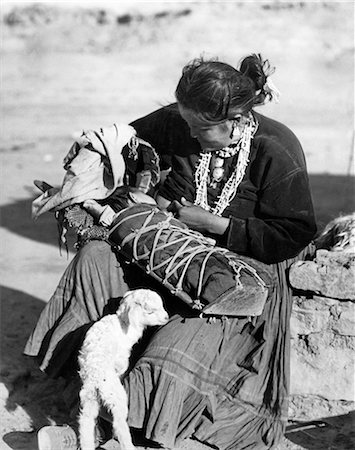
(202, 174)
(217, 160)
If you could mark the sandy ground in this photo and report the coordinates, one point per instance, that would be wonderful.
(72, 73)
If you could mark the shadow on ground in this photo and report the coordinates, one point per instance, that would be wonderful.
(326, 433)
(16, 217)
(30, 391)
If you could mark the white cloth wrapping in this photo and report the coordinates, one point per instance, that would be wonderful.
(94, 169)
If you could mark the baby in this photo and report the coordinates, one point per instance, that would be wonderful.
(123, 197)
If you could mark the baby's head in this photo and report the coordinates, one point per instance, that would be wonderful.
(125, 196)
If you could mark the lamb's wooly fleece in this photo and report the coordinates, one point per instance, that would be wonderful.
(104, 357)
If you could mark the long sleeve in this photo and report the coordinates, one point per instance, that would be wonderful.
(282, 222)
(284, 226)
(271, 216)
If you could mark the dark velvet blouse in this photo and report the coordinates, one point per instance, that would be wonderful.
(271, 217)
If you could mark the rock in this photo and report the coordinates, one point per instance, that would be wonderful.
(319, 368)
(346, 323)
(322, 348)
(318, 314)
(310, 315)
(311, 407)
(330, 274)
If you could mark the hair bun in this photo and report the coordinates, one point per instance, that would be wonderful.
(259, 71)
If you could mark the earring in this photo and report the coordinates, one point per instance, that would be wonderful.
(235, 133)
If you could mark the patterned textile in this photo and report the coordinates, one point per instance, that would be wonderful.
(82, 222)
(141, 166)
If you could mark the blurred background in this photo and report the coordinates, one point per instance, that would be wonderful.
(69, 66)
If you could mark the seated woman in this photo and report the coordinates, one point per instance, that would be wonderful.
(240, 178)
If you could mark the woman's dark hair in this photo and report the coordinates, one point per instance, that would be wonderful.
(217, 90)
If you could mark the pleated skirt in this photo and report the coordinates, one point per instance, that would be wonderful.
(224, 381)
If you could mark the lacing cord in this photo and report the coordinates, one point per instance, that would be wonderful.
(193, 244)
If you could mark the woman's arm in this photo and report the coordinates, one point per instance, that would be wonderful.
(284, 225)
(198, 218)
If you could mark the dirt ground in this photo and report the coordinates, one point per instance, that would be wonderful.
(70, 69)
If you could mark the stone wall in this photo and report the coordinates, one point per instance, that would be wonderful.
(323, 335)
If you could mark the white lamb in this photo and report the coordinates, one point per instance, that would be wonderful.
(104, 357)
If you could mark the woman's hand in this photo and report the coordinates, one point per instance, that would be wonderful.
(198, 218)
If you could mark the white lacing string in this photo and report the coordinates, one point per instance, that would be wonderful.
(192, 245)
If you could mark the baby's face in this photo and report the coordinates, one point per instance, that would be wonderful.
(138, 196)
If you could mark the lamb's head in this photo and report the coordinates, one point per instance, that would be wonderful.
(143, 307)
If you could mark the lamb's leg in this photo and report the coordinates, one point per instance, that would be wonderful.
(89, 411)
(115, 399)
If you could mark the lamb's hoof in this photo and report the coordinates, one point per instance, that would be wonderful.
(57, 438)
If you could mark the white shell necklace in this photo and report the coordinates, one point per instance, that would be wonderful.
(230, 188)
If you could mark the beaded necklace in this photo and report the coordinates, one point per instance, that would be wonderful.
(230, 188)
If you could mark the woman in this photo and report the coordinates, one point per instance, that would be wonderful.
(241, 178)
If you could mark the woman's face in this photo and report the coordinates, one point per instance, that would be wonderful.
(210, 136)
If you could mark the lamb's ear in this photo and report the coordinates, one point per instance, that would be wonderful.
(124, 309)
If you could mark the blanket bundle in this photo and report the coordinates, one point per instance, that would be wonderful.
(211, 279)
(99, 162)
